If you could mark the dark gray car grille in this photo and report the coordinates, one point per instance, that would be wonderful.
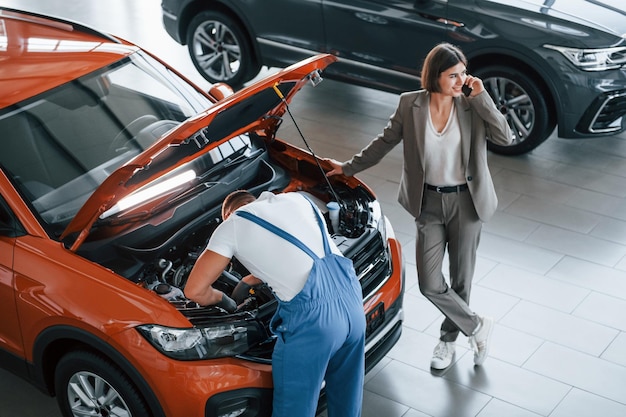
(608, 116)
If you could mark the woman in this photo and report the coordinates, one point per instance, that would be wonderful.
(446, 185)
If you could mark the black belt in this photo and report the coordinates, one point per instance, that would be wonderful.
(449, 189)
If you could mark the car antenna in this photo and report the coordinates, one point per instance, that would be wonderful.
(282, 97)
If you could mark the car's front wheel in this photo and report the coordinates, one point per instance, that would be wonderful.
(220, 50)
(87, 384)
(519, 98)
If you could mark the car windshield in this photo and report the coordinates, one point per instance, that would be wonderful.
(60, 146)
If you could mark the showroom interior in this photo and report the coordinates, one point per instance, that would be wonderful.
(551, 263)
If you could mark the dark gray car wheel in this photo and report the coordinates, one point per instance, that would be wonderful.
(220, 50)
(89, 385)
(519, 98)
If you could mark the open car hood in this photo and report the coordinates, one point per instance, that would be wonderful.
(254, 108)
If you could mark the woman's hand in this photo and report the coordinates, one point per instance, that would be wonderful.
(475, 83)
(337, 167)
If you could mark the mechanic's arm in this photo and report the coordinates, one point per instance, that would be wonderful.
(204, 273)
(251, 280)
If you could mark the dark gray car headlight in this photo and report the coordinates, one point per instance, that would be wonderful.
(203, 342)
(593, 59)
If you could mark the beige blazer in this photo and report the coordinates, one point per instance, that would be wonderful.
(479, 120)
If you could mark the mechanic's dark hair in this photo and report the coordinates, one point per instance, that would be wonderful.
(235, 200)
(439, 59)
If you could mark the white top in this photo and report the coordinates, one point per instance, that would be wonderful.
(279, 263)
(442, 153)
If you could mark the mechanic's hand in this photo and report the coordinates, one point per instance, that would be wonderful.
(241, 292)
(227, 304)
(243, 288)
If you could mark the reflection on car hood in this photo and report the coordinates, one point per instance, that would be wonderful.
(254, 108)
(606, 16)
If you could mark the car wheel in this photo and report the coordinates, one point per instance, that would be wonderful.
(89, 385)
(519, 98)
(220, 50)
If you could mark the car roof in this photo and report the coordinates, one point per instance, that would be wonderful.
(39, 53)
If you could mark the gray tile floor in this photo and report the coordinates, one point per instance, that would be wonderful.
(551, 268)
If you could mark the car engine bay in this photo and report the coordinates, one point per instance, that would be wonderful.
(157, 248)
(167, 275)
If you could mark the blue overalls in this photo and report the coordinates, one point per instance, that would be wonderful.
(320, 336)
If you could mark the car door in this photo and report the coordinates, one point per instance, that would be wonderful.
(288, 30)
(381, 40)
(10, 335)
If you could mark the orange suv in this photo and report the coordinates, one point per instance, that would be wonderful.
(112, 172)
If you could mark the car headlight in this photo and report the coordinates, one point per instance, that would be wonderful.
(206, 342)
(593, 59)
(380, 220)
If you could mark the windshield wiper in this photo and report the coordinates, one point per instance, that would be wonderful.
(230, 162)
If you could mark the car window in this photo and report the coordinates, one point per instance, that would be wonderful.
(9, 225)
(61, 145)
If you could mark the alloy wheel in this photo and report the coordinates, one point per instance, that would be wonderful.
(513, 102)
(217, 50)
(90, 395)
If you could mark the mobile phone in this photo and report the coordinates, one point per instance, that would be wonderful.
(466, 90)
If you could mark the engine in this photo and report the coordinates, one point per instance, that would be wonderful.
(167, 278)
(166, 266)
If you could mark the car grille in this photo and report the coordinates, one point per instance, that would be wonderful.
(608, 117)
(371, 262)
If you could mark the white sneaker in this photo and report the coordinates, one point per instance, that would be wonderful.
(442, 355)
(479, 341)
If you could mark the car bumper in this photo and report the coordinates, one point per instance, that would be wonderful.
(593, 104)
(170, 23)
(605, 115)
(170, 11)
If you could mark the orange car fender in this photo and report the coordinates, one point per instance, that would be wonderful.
(48, 278)
(190, 383)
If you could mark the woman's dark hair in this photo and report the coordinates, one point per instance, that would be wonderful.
(439, 59)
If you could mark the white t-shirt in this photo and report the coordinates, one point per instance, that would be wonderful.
(279, 263)
(444, 164)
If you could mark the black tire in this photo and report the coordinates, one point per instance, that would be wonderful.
(84, 375)
(520, 99)
(220, 50)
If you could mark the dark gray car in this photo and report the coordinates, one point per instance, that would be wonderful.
(545, 63)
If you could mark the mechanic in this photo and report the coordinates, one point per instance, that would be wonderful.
(319, 325)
